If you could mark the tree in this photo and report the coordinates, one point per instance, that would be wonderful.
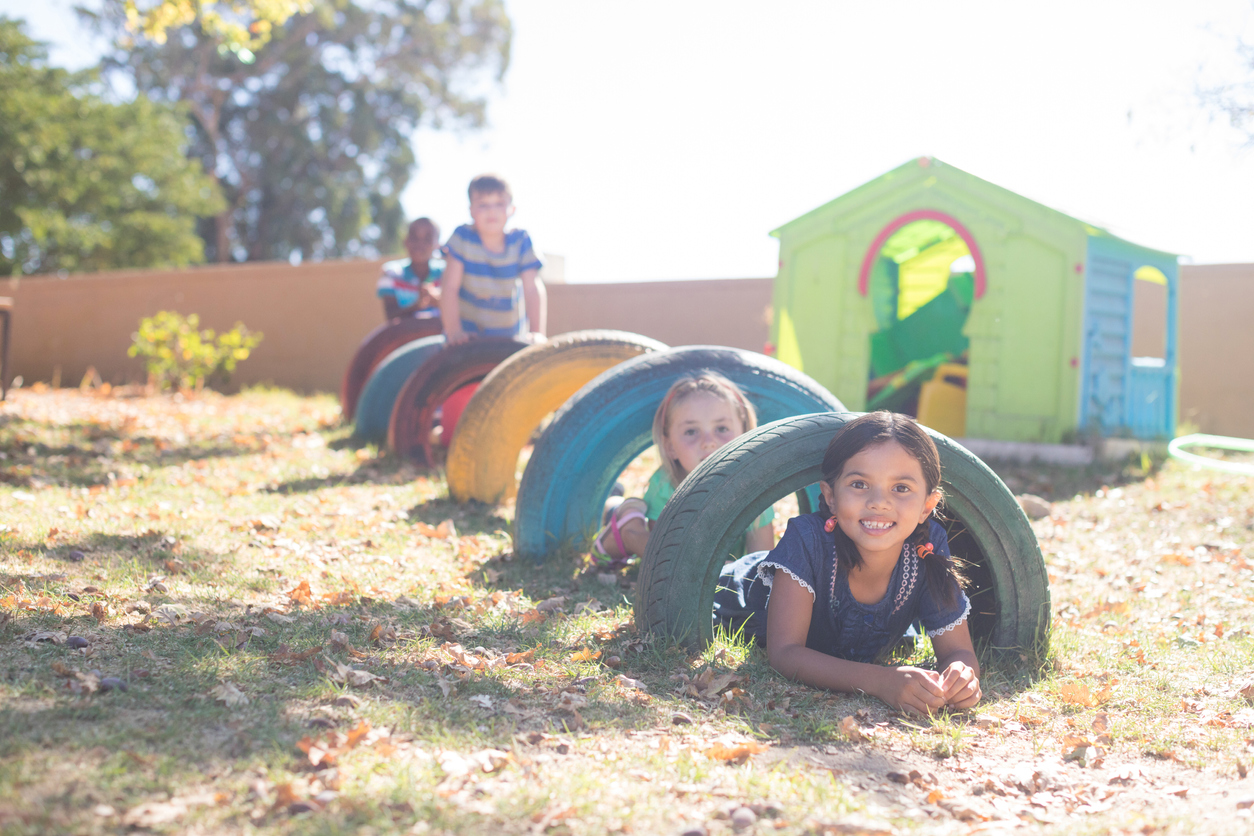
(86, 184)
(310, 139)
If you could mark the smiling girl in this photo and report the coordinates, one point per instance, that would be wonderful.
(844, 585)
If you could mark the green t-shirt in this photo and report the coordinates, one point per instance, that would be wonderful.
(659, 491)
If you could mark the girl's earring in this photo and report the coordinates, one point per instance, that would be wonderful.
(830, 525)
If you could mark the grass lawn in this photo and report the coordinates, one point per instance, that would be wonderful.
(221, 615)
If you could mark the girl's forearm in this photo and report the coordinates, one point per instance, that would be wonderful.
(811, 667)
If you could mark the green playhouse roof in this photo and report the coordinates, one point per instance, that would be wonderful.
(908, 175)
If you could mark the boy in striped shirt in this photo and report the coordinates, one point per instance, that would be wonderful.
(491, 285)
(411, 287)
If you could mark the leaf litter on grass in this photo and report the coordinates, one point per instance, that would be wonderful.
(251, 577)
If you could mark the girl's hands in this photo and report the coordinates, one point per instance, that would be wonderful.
(914, 690)
(961, 685)
(922, 691)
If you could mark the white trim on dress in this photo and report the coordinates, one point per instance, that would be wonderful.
(769, 578)
(951, 625)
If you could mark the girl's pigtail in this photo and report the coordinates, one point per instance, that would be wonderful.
(943, 574)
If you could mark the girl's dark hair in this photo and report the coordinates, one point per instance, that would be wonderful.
(870, 430)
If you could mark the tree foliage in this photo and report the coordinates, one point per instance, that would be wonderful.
(311, 140)
(86, 184)
(242, 25)
(1236, 99)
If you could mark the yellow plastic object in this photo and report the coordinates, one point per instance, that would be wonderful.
(942, 403)
(514, 398)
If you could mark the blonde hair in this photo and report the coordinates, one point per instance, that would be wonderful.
(711, 383)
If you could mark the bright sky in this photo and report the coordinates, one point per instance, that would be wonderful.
(664, 140)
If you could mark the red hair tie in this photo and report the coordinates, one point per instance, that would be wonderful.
(923, 550)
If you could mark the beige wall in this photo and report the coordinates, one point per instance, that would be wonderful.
(315, 315)
(711, 312)
(1217, 348)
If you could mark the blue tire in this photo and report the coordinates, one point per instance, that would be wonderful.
(608, 422)
(374, 406)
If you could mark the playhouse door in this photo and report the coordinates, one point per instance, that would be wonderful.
(1121, 395)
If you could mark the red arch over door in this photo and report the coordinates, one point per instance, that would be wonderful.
(864, 276)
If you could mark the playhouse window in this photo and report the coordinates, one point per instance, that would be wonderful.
(915, 266)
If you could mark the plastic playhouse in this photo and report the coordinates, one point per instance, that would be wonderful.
(984, 313)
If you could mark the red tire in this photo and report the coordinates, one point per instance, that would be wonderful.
(378, 344)
(413, 416)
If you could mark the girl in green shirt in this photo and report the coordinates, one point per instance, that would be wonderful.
(700, 413)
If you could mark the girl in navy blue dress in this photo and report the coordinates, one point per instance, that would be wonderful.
(843, 586)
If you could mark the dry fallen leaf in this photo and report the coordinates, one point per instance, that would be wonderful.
(444, 531)
(570, 701)
(520, 658)
(734, 752)
(1077, 693)
(229, 695)
(329, 749)
(849, 726)
(549, 605)
(352, 676)
(152, 815)
(54, 636)
(447, 686)
(632, 684)
(265, 523)
(302, 595)
(585, 655)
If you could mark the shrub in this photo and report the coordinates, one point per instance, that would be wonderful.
(177, 353)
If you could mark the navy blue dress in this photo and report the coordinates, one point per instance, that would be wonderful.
(840, 625)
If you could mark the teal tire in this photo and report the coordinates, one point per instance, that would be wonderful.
(1008, 583)
(608, 422)
(378, 397)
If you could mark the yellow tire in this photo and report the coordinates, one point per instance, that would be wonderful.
(513, 400)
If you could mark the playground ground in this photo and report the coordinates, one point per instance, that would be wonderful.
(220, 615)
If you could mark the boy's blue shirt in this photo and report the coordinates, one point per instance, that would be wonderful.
(401, 282)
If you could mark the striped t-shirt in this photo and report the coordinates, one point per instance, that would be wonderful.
(491, 299)
(401, 282)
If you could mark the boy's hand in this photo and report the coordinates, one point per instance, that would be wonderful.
(428, 298)
(456, 336)
(961, 685)
(914, 690)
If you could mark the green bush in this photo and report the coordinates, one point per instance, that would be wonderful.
(178, 353)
